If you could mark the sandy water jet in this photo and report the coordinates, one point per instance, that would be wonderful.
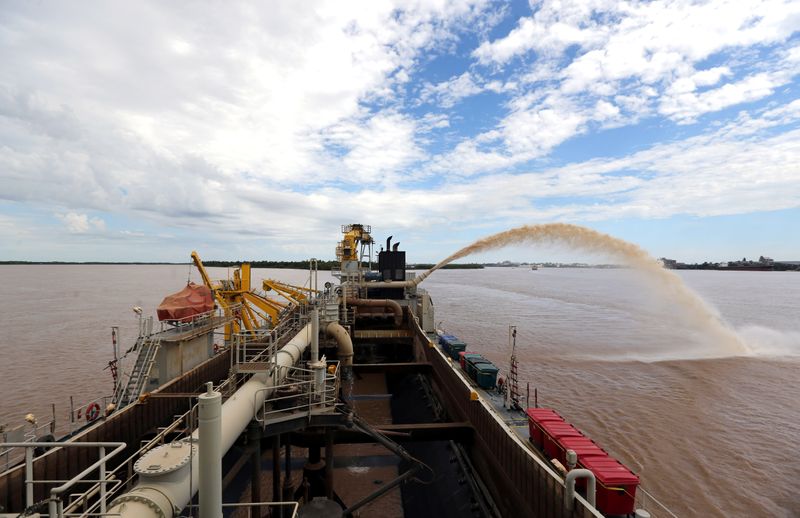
(668, 284)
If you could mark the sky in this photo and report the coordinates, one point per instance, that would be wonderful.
(139, 131)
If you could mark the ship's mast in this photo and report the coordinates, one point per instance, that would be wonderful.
(512, 371)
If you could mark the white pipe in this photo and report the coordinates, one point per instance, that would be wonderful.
(344, 343)
(166, 494)
(210, 418)
(314, 316)
(569, 482)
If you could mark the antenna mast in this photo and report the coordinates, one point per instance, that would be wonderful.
(512, 371)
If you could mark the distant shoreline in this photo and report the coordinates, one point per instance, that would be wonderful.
(78, 263)
(328, 265)
(286, 265)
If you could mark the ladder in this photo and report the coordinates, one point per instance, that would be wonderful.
(148, 348)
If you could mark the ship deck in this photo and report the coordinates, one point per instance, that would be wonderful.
(410, 436)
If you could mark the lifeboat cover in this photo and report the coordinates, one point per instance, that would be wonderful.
(192, 300)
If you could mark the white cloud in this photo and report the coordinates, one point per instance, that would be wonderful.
(378, 147)
(239, 123)
(614, 63)
(449, 92)
(552, 28)
(636, 37)
(81, 223)
(686, 106)
(738, 168)
(238, 89)
(534, 132)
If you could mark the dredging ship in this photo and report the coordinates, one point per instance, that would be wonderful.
(339, 400)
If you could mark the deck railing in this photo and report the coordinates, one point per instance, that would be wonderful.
(300, 393)
(55, 504)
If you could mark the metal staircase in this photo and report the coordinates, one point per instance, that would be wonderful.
(128, 393)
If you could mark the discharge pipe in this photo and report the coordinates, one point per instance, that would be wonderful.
(344, 349)
(169, 475)
(380, 303)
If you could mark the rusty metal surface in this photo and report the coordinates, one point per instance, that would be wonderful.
(386, 368)
(373, 334)
(128, 425)
(519, 485)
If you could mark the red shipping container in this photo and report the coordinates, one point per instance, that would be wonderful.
(553, 433)
(616, 485)
(536, 416)
(583, 446)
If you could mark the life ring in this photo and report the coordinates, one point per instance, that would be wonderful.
(92, 412)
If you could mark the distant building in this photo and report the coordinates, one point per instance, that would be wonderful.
(670, 264)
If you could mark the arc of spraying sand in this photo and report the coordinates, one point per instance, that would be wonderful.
(583, 238)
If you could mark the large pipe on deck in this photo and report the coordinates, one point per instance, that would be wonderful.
(396, 308)
(169, 474)
(344, 343)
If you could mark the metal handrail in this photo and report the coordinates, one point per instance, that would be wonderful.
(249, 347)
(76, 412)
(127, 464)
(655, 500)
(56, 505)
(198, 319)
(249, 505)
(302, 378)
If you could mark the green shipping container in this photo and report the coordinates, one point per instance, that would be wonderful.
(472, 363)
(455, 348)
(486, 375)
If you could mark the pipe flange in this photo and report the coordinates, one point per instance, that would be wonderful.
(165, 459)
(142, 500)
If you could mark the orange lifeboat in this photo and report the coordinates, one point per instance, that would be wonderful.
(185, 305)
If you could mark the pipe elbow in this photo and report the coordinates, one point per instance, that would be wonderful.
(569, 483)
(344, 343)
(392, 305)
(397, 309)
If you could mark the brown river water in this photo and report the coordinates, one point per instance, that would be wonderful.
(710, 431)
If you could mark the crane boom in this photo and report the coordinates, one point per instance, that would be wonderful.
(251, 310)
(200, 268)
(293, 294)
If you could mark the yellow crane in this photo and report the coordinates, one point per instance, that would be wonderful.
(356, 244)
(251, 310)
(294, 294)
